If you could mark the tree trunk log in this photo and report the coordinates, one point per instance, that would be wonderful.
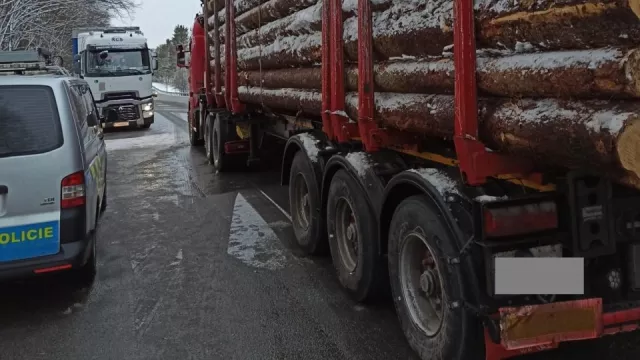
(598, 136)
(241, 7)
(425, 29)
(608, 73)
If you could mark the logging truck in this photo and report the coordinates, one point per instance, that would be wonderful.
(481, 169)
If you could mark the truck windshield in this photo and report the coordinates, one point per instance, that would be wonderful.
(118, 62)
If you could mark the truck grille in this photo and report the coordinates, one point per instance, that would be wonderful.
(125, 112)
(119, 96)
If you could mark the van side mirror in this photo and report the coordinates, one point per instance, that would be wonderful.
(91, 120)
(76, 65)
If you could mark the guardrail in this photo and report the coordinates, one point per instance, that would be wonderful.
(170, 92)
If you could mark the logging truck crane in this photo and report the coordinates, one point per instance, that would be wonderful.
(463, 231)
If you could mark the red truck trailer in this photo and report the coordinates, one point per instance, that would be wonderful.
(426, 217)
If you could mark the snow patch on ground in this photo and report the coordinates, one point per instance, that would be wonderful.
(164, 140)
(440, 180)
(251, 239)
(360, 162)
(165, 87)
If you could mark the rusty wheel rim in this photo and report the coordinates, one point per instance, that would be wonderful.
(347, 234)
(421, 284)
(302, 208)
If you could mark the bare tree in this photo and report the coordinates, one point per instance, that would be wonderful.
(29, 24)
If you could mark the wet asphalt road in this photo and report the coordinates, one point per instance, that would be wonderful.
(198, 265)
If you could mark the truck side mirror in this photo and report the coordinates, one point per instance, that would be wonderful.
(181, 59)
(155, 64)
(76, 64)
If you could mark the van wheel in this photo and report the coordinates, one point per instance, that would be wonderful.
(103, 205)
(86, 275)
(353, 240)
(304, 200)
(423, 285)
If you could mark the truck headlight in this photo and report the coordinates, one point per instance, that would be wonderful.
(148, 106)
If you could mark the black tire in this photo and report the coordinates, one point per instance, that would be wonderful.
(223, 131)
(103, 205)
(85, 276)
(194, 139)
(146, 126)
(458, 335)
(360, 271)
(308, 227)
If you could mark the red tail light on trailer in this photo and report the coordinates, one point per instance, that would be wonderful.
(520, 219)
(72, 193)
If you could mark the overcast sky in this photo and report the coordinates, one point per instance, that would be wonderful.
(157, 18)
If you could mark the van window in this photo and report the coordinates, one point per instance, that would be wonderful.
(80, 106)
(29, 120)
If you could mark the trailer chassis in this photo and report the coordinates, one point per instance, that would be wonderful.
(354, 180)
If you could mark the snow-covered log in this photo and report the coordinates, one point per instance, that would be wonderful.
(602, 73)
(599, 136)
(424, 29)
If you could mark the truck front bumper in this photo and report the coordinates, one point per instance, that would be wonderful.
(129, 123)
(132, 114)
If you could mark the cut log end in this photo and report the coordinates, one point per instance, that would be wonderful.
(635, 7)
(628, 147)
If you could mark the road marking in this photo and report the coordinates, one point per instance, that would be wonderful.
(286, 214)
(251, 239)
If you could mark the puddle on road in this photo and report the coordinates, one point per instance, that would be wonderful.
(251, 239)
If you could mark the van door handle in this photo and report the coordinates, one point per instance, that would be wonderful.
(4, 190)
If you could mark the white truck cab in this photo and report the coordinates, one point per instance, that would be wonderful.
(118, 65)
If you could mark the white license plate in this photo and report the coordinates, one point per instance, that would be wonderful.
(539, 276)
(121, 124)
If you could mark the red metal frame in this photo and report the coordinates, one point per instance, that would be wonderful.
(326, 71)
(227, 54)
(372, 137)
(207, 55)
(231, 61)
(342, 129)
(217, 77)
(476, 163)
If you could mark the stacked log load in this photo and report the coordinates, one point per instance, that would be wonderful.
(559, 80)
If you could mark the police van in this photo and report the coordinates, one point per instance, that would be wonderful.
(53, 184)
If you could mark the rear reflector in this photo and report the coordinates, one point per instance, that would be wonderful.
(520, 219)
(52, 269)
(72, 191)
(238, 146)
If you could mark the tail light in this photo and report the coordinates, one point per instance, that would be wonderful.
(520, 219)
(73, 191)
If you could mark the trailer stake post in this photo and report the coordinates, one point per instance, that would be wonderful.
(327, 127)
(476, 163)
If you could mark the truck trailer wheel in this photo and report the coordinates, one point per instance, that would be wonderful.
(422, 286)
(304, 200)
(194, 137)
(222, 132)
(208, 140)
(353, 240)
